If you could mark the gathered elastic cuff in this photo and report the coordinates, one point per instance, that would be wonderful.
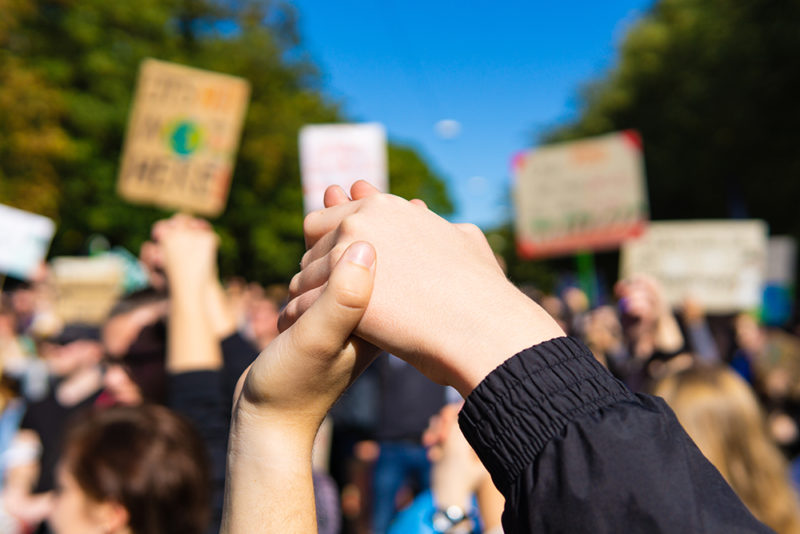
(520, 406)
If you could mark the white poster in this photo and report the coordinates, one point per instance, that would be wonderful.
(720, 264)
(24, 240)
(341, 154)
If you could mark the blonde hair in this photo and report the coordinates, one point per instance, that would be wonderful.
(721, 414)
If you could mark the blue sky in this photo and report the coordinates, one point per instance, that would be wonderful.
(506, 71)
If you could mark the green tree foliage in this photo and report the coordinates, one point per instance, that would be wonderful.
(711, 85)
(67, 71)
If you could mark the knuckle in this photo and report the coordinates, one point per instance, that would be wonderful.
(308, 222)
(294, 285)
(305, 260)
(350, 297)
(350, 225)
(470, 229)
(288, 316)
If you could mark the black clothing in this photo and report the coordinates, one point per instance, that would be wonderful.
(573, 450)
(50, 420)
(205, 398)
(199, 397)
(407, 401)
(237, 354)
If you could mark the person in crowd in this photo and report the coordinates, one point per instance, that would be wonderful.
(462, 496)
(650, 330)
(135, 341)
(406, 402)
(354, 450)
(131, 470)
(205, 354)
(700, 339)
(262, 314)
(721, 414)
(770, 359)
(74, 358)
(602, 333)
(571, 448)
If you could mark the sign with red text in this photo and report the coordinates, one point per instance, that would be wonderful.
(86, 288)
(580, 196)
(720, 264)
(24, 240)
(341, 154)
(182, 137)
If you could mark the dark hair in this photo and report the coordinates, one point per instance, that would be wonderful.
(149, 460)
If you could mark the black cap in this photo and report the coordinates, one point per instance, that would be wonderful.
(74, 332)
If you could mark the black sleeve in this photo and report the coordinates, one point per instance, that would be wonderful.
(237, 354)
(198, 396)
(573, 450)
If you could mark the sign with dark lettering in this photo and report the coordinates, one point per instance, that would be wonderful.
(182, 137)
(720, 264)
(582, 195)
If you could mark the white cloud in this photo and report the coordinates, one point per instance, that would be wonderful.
(448, 128)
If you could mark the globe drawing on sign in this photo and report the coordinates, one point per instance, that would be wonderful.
(184, 137)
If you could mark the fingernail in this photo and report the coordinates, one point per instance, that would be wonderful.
(360, 253)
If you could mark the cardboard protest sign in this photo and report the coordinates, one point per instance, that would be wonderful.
(24, 240)
(578, 196)
(341, 154)
(182, 137)
(86, 288)
(720, 264)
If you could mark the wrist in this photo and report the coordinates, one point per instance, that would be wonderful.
(272, 430)
(454, 519)
(496, 335)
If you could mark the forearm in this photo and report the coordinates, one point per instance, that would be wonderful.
(220, 316)
(269, 487)
(668, 334)
(490, 504)
(192, 344)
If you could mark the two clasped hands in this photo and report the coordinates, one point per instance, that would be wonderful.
(383, 272)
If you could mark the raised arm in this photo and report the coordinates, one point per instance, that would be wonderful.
(284, 396)
(570, 447)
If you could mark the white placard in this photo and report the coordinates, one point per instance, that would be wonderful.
(720, 264)
(341, 154)
(24, 240)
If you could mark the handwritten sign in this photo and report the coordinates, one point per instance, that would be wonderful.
(86, 288)
(341, 154)
(182, 138)
(721, 264)
(24, 240)
(582, 195)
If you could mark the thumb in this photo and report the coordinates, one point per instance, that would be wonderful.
(325, 327)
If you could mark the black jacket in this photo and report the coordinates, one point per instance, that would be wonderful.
(573, 450)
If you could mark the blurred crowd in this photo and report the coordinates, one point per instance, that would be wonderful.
(123, 426)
